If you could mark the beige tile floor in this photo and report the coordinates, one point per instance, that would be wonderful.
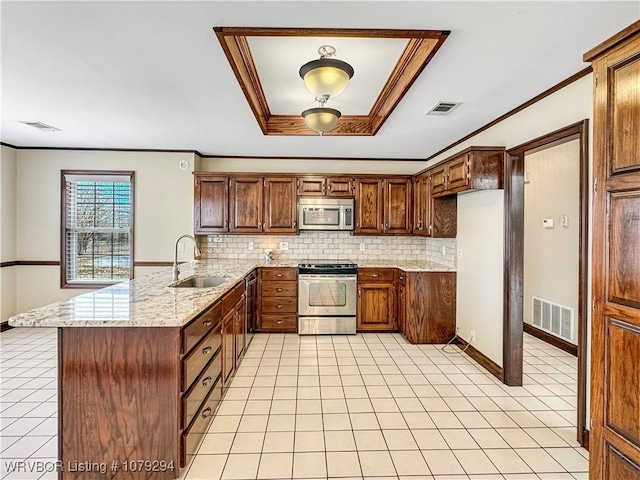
(341, 407)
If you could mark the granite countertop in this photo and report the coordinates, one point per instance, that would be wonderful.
(150, 301)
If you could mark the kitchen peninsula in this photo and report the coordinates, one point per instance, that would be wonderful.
(143, 365)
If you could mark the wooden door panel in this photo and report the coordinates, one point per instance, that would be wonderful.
(625, 116)
(281, 205)
(458, 173)
(312, 186)
(438, 180)
(376, 306)
(624, 254)
(622, 380)
(211, 207)
(340, 187)
(444, 216)
(369, 206)
(619, 466)
(246, 205)
(397, 203)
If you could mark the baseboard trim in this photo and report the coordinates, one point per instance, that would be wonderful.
(551, 339)
(4, 326)
(492, 367)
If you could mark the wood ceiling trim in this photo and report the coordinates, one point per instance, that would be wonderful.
(421, 47)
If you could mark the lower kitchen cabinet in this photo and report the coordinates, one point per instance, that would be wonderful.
(278, 299)
(429, 311)
(376, 299)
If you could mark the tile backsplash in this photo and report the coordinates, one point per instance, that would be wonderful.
(329, 245)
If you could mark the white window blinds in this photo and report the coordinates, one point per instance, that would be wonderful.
(98, 221)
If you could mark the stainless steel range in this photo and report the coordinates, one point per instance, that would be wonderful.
(327, 297)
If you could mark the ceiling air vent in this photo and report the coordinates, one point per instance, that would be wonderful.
(442, 108)
(41, 126)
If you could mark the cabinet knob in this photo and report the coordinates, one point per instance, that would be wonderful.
(279, 322)
(279, 306)
(359, 292)
(329, 187)
(206, 381)
(375, 275)
(206, 323)
(206, 350)
(279, 289)
(278, 274)
(206, 412)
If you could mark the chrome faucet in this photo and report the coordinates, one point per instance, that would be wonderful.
(196, 254)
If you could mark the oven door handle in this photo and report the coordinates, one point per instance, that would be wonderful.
(320, 276)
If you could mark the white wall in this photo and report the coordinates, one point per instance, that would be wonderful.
(551, 254)
(163, 210)
(397, 167)
(564, 107)
(8, 157)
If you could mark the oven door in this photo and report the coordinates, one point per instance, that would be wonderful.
(327, 295)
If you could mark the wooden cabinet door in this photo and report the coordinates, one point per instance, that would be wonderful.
(369, 206)
(280, 205)
(228, 346)
(376, 306)
(245, 205)
(439, 180)
(211, 204)
(444, 216)
(397, 206)
(420, 203)
(312, 186)
(615, 380)
(458, 173)
(340, 186)
(239, 328)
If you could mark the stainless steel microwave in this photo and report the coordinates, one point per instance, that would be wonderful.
(325, 214)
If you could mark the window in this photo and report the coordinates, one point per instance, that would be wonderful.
(97, 228)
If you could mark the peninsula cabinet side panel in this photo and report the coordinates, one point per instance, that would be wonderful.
(118, 400)
(431, 307)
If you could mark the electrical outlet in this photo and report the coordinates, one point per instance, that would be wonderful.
(460, 253)
(362, 247)
(181, 247)
(284, 245)
(250, 246)
(217, 239)
(472, 336)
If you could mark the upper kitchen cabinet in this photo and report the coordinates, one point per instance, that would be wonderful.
(383, 206)
(245, 204)
(397, 206)
(476, 168)
(316, 186)
(280, 205)
(211, 205)
(421, 205)
(369, 206)
(433, 217)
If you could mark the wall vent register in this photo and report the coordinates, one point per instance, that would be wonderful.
(553, 318)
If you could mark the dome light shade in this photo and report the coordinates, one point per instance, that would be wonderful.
(321, 119)
(326, 76)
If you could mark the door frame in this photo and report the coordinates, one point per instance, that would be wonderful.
(514, 262)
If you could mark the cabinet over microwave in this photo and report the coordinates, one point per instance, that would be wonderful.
(325, 214)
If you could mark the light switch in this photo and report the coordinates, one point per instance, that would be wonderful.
(564, 221)
(547, 223)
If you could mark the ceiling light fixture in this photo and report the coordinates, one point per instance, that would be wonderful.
(325, 78)
(326, 75)
(321, 119)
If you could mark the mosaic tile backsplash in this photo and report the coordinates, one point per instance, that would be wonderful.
(329, 245)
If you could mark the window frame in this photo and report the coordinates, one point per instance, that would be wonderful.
(64, 283)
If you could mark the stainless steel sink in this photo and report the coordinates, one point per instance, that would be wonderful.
(202, 282)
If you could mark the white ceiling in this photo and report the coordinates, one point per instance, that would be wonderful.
(278, 60)
(152, 75)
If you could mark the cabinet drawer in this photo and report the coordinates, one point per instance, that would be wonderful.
(198, 328)
(230, 299)
(277, 274)
(192, 400)
(280, 322)
(279, 305)
(195, 361)
(375, 274)
(190, 439)
(280, 289)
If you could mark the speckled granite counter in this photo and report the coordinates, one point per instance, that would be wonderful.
(407, 266)
(148, 301)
